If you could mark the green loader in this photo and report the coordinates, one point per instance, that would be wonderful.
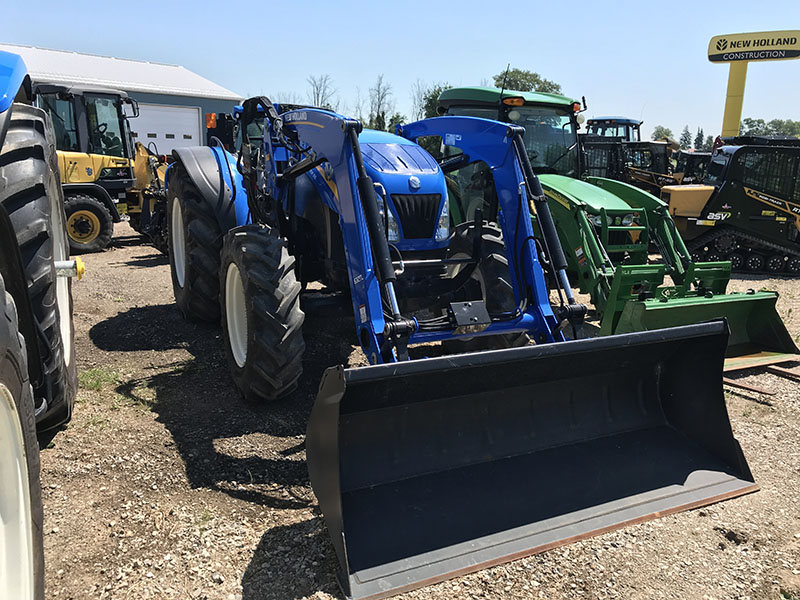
(609, 230)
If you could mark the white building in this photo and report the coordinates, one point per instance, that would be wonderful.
(172, 100)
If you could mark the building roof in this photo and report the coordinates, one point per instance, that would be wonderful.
(78, 69)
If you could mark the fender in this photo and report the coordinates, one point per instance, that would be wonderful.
(15, 84)
(98, 192)
(213, 172)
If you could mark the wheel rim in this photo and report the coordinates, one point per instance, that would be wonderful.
(60, 246)
(16, 538)
(736, 261)
(236, 314)
(794, 265)
(178, 242)
(83, 226)
(755, 262)
(775, 264)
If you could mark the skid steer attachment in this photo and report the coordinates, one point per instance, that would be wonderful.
(435, 468)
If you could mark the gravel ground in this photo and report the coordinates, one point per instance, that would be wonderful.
(166, 485)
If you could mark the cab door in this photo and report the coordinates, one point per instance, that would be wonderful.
(71, 160)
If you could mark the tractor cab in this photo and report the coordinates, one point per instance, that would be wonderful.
(90, 126)
(551, 122)
(95, 155)
(628, 130)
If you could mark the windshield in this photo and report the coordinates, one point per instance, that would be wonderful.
(105, 128)
(550, 136)
(628, 133)
(716, 169)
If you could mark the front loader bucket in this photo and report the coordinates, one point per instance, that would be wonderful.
(757, 334)
(434, 468)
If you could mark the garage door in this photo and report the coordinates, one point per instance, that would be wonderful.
(168, 126)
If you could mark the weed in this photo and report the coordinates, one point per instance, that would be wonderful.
(97, 378)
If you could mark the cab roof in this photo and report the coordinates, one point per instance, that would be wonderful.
(492, 95)
(623, 120)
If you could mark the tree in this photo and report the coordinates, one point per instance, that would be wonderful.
(287, 98)
(774, 127)
(418, 91)
(699, 139)
(380, 104)
(430, 104)
(753, 127)
(660, 132)
(395, 119)
(321, 92)
(686, 138)
(708, 145)
(521, 80)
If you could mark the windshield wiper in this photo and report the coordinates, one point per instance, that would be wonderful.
(562, 155)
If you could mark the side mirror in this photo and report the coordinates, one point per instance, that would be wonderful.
(134, 107)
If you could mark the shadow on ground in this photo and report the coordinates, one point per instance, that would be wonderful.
(291, 561)
(197, 402)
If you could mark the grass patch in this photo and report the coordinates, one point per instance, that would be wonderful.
(97, 378)
(98, 422)
(204, 518)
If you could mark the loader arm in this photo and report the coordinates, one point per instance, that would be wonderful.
(327, 137)
(519, 192)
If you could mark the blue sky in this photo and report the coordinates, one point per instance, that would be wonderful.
(625, 57)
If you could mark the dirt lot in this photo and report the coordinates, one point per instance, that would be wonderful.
(166, 485)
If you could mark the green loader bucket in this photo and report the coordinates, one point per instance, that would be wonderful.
(757, 334)
(434, 468)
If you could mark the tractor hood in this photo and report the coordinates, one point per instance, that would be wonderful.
(414, 186)
(567, 190)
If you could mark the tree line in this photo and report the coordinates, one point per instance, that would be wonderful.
(748, 126)
(377, 108)
(686, 141)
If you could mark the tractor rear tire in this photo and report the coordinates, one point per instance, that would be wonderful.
(262, 319)
(31, 194)
(20, 489)
(89, 224)
(195, 242)
(493, 276)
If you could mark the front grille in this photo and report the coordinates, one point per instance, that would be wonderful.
(418, 214)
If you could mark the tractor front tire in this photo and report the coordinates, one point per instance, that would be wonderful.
(89, 224)
(195, 241)
(30, 191)
(20, 489)
(493, 277)
(261, 315)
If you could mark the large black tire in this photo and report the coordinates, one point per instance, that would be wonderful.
(30, 191)
(195, 241)
(18, 427)
(265, 349)
(492, 275)
(89, 223)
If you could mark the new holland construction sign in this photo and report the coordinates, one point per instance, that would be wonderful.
(765, 45)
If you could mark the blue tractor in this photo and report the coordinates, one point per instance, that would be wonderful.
(38, 377)
(513, 439)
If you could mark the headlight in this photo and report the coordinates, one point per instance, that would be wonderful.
(443, 227)
(392, 230)
(627, 220)
(597, 220)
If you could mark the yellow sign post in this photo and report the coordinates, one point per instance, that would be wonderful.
(738, 49)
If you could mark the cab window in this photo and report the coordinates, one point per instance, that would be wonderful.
(103, 118)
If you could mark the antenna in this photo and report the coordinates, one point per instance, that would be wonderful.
(502, 90)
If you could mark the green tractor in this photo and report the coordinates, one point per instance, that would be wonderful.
(608, 230)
